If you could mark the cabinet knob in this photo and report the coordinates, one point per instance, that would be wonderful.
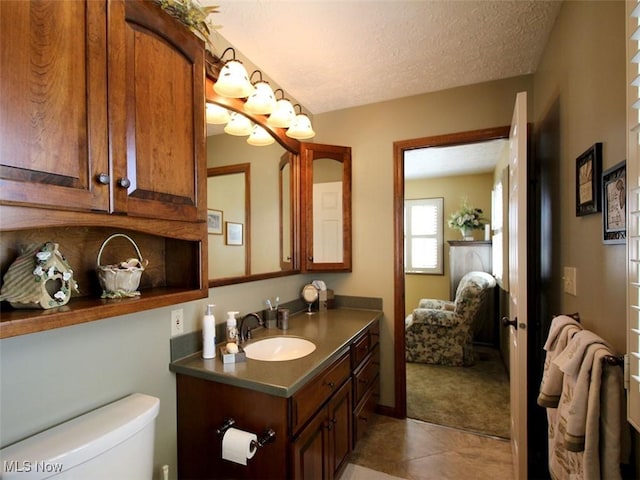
(103, 178)
(310, 259)
(331, 385)
(124, 182)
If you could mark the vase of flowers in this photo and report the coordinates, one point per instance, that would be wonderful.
(467, 219)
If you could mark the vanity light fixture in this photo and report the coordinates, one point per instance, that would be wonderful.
(233, 81)
(259, 137)
(283, 113)
(300, 126)
(262, 101)
(216, 114)
(238, 125)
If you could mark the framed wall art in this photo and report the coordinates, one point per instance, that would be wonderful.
(214, 222)
(234, 233)
(614, 211)
(588, 172)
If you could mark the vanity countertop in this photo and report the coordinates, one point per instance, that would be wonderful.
(331, 331)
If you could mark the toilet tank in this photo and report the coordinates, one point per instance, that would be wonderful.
(112, 442)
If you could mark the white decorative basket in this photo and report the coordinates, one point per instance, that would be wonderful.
(121, 279)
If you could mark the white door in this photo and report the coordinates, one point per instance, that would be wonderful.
(327, 222)
(518, 283)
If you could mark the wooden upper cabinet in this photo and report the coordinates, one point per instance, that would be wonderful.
(156, 114)
(102, 109)
(53, 104)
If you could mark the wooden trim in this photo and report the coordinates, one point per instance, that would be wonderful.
(460, 138)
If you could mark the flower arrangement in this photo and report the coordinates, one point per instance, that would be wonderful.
(194, 16)
(467, 217)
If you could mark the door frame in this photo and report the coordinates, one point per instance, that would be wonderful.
(459, 138)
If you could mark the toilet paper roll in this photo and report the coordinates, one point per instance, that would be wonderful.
(237, 447)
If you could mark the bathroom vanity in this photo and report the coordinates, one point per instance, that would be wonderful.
(317, 405)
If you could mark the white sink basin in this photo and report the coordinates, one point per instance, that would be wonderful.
(276, 349)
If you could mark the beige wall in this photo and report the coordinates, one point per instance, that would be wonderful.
(477, 190)
(580, 85)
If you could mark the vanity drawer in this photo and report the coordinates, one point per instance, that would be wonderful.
(366, 374)
(313, 395)
(363, 345)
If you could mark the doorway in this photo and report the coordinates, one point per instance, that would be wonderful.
(400, 307)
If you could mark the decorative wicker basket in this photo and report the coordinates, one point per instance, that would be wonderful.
(121, 279)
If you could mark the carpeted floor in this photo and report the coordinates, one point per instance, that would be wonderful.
(472, 398)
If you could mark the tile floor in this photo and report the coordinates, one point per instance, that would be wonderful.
(416, 450)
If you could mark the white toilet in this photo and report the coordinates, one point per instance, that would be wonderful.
(112, 442)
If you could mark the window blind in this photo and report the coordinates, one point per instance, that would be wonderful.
(633, 216)
(424, 236)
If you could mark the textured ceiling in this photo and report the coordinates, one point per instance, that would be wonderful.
(331, 55)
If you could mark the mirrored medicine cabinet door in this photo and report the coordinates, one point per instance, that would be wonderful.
(326, 207)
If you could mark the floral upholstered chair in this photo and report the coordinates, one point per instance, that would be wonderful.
(439, 331)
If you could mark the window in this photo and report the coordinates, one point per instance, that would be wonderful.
(633, 215)
(423, 236)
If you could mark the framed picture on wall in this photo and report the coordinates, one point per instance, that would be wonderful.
(614, 216)
(234, 233)
(214, 222)
(588, 172)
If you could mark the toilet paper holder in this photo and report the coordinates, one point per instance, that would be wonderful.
(268, 435)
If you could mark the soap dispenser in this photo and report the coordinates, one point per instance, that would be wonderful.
(232, 327)
(209, 334)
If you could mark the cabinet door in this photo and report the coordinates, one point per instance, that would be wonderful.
(340, 429)
(156, 114)
(326, 207)
(53, 119)
(310, 450)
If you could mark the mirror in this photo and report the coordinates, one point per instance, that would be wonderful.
(258, 195)
(228, 202)
(327, 207)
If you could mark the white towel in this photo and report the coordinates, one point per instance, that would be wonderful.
(562, 330)
(585, 437)
(570, 359)
(557, 325)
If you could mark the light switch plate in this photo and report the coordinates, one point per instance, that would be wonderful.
(569, 280)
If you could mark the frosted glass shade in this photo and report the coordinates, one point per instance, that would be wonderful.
(282, 115)
(233, 81)
(238, 125)
(301, 128)
(262, 100)
(260, 137)
(216, 114)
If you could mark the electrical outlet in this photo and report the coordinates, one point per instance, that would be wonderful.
(569, 280)
(177, 322)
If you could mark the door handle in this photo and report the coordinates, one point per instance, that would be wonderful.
(507, 322)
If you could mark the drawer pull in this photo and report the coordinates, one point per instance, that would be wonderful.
(331, 385)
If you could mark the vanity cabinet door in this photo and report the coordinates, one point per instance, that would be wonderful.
(53, 120)
(156, 114)
(325, 208)
(322, 448)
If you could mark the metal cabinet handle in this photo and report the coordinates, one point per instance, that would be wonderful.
(124, 182)
(103, 178)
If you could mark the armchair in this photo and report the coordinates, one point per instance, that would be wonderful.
(439, 331)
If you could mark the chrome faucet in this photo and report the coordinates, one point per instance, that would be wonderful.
(244, 331)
